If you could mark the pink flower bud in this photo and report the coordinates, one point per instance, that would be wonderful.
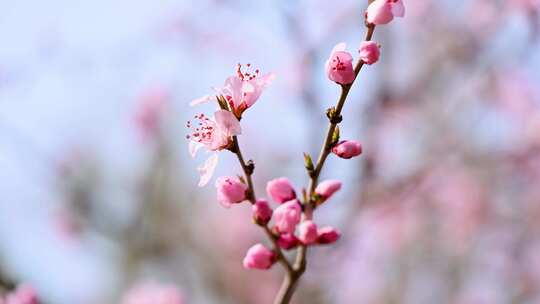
(287, 216)
(230, 190)
(287, 241)
(347, 149)
(259, 257)
(307, 232)
(339, 67)
(384, 11)
(328, 235)
(280, 190)
(369, 52)
(327, 188)
(262, 213)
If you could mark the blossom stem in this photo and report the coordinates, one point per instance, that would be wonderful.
(291, 281)
(247, 168)
(248, 171)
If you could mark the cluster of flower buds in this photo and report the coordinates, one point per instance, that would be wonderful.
(339, 66)
(288, 229)
(290, 224)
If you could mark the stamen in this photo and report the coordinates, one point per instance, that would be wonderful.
(204, 133)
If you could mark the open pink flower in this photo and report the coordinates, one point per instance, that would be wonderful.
(287, 216)
(259, 257)
(339, 67)
(214, 134)
(241, 90)
(230, 190)
(244, 89)
(384, 11)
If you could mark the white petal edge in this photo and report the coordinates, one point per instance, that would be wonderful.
(207, 169)
(227, 122)
(198, 101)
(342, 46)
(194, 147)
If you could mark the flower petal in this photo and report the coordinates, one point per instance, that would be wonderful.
(218, 90)
(265, 80)
(207, 169)
(247, 87)
(198, 101)
(234, 85)
(343, 56)
(194, 147)
(342, 46)
(227, 122)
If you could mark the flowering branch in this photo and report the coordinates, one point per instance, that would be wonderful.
(293, 225)
(334, 115)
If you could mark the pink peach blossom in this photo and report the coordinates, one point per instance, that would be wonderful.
(327, 188)
(280, 190)
(287, 241)
(241, 90)
(384, 11)
(369, 52)
(339, 67)
(347, 149)
(244, 89)
(230, 190)
(262, 213)
(214, 134)
(327, 235)
(287, 216)
(153, 293)
(259, 257)
(307, 232)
